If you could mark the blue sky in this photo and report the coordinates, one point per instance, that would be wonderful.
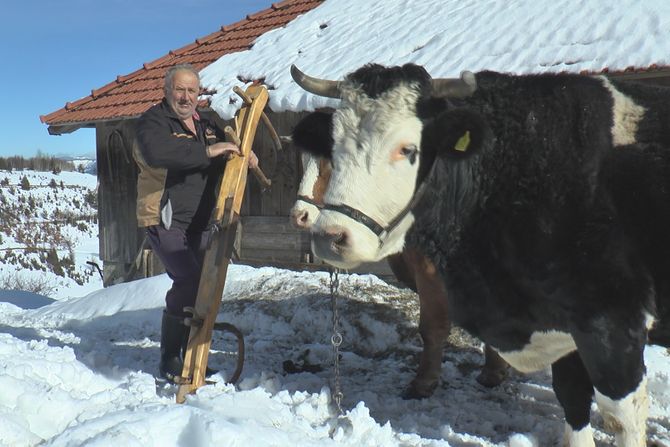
(54, 51)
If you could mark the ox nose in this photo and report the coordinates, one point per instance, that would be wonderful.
(300, 219)
(337, 237)
(333, 240)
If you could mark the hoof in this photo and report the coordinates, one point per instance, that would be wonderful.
(419, 391)
(492, 377)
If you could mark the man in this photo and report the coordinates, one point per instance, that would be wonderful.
(180, 165)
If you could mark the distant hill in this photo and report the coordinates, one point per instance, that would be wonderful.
(48, 230)
(88, 166)
(87, 161)
(40, 162)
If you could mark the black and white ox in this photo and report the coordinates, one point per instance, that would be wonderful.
(544, 202)
(410, 267)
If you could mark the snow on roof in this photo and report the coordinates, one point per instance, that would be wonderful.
(445, 36)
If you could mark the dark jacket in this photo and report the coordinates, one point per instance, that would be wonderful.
(174, 167)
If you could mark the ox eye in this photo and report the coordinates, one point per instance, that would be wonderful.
(410, 152)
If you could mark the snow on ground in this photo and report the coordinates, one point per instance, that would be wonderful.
(80, 371)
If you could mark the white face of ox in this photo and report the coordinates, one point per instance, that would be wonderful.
(375, 165)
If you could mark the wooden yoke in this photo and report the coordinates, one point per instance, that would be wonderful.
(219, 252)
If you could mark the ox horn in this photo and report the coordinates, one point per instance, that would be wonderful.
(321, 87)
(455, 88)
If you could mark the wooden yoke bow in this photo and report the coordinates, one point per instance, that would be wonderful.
(219, 252)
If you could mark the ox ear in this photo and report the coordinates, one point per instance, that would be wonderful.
(458, 133)
(314, 134)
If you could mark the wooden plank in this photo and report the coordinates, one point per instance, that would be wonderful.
(268, 224)
(281, 241)
(271, 255)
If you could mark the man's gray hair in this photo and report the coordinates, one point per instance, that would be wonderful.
(169, 74)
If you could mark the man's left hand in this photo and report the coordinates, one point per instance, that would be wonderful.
(253, 160)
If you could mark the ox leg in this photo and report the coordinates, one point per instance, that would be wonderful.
(574, 391)
(495, 369)
(615, 363)
(627, 417)
(434, 327)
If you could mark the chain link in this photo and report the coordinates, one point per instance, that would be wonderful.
(336, 339)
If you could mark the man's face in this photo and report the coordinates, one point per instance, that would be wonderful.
(183, 95)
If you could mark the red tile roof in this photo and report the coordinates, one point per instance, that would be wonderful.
(132, 94)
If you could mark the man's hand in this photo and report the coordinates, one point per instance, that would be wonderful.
(253, 160)
(223, 148)
(228, 149)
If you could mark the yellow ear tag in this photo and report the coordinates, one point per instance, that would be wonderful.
(463, 142)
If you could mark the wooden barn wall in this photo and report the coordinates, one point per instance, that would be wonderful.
(117, 192)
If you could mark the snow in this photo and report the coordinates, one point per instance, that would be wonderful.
(447, 37)
(77, 369)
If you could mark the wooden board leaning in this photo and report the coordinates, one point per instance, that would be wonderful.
(218, 255)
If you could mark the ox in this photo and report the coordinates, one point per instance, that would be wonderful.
(410, 267)
(544, 203)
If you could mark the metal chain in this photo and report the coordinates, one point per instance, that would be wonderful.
(336, 339)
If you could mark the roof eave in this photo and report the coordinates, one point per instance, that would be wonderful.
(63, 128)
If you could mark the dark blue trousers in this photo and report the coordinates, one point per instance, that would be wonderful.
(182, 253)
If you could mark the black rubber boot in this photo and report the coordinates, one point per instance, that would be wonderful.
(173, 334)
